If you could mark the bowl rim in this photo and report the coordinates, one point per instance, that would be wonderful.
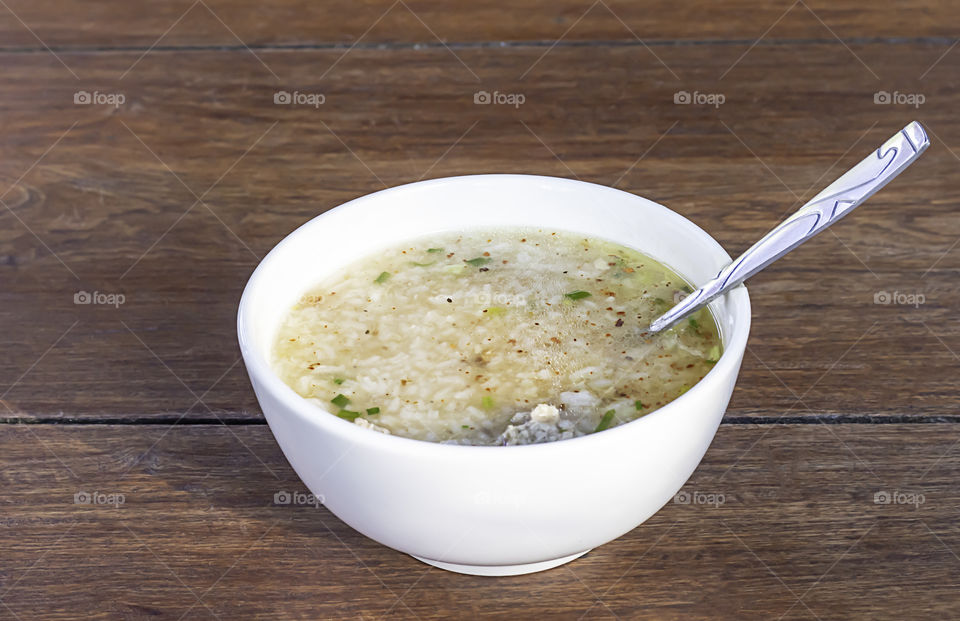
(257, 365)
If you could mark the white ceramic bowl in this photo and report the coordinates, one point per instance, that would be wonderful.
(477, 509)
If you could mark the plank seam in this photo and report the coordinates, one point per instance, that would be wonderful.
(827, 419)
(469, 45)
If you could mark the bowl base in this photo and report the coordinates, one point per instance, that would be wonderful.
(501, 570)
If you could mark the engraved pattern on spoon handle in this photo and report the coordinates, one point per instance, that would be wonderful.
(834, 202)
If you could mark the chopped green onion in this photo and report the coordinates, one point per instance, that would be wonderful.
(638, 405)
(382, 278)
(605, 421)
(423, 264)
(694, 323)
(478, 261)
(340, 401)
(577, 295)
(456, 269)
(464, 426)
(348, 415)
(714, 355)
(434, 249)
(338, 380)
(487, 402)
(493, 311)
(372, 411)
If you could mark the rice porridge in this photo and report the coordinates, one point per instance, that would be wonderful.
(494, 337)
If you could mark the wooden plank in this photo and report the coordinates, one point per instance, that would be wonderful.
(113, 23)
(104, 202)
(775, 514)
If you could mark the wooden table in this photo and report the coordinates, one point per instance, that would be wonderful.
(830, 490)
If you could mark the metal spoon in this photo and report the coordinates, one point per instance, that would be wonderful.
(837, 200)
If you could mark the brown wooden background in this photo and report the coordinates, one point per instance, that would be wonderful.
(172, 197)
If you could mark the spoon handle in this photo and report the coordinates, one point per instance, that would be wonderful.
(834, 202)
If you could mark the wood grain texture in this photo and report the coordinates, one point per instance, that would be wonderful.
(797, 521)
(105, 198)
(171, 198)
(113, 23)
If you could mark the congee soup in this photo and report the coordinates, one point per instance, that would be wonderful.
(494, 337)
